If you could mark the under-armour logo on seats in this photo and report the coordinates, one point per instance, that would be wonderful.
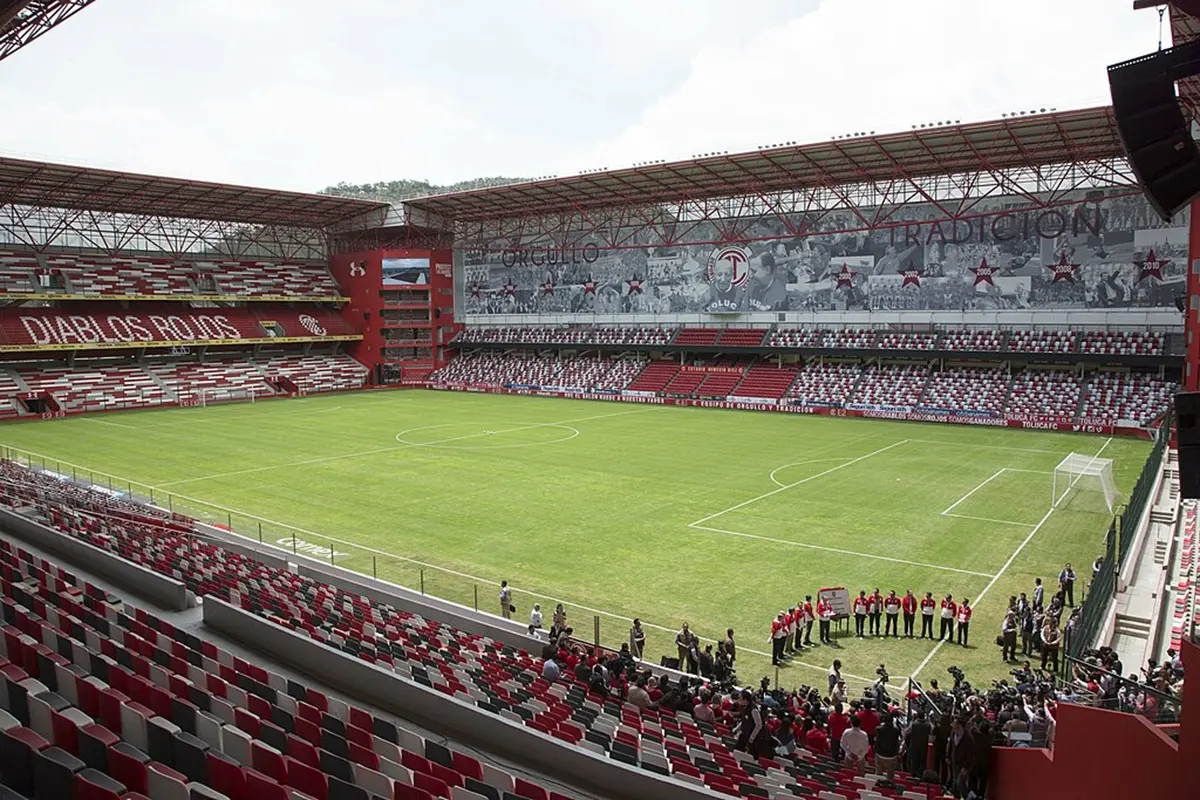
(358, 269)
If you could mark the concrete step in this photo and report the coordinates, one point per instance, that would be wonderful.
(1132, 626)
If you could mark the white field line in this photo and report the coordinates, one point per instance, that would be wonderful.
(778, 482)
(324, 459)
(840, 551)
(787, 486)
(985, 482)
(979, 597)
(108, 422)
(989, 519)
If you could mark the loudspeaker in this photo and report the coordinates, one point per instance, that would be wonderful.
(1187, 421)
(1152, 127)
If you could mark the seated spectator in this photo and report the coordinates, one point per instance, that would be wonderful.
(638, 696)
(551, 671)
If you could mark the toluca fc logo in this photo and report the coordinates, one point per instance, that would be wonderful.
(729, 266)
(312, 325)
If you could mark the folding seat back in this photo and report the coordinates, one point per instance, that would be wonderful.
(190, 757)
(164, 783)
(54, 771)
(304, 778)
(343, 790)
(268, 761)
(225, 775)
(94, 741)
(127, 764)
(92, 784)
(18, 746)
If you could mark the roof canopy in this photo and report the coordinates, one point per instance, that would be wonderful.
(1023, 141)
(33, 183)
(22, 21)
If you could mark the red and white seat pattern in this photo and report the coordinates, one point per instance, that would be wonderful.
(1185, 612)
(892, 340)
(100, 389)
(1126, 396)
(975, 390)
(590, 374)
(766, 382)
(891, 385)
(218, 380)
(8, 395)
(973, 340)
(99, 698)
(1121, 343)
(1042, 341)
(1045, 393)
(318, 373)
(132, 275)
(850, 339)
(825, 384)
(796, 337)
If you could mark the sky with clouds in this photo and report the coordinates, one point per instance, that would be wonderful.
(300, 94)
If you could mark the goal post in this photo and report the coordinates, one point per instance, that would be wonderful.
(1079, 471)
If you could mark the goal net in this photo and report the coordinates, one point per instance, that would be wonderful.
(1079, 472)
(202, 397)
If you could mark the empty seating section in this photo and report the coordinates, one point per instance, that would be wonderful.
(766, 382)
(1121, 343)
(1041, 341)
(975, 340)
(131, 275)
(583, 374)
(103, 700)
(976, 390)
(892, 340)
(97, 389)
(825, 384)
(742, 337)
(697, 336)
(1126, 396)
(655, 377)
(850, 339)
(1185, 610)
(547, 335)
(1045, 393)
(164, 696)
(891, 385)
(218, 380)
(8, 395)
(318, 373)
(796, 337)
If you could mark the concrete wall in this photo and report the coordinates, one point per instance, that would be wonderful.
(162, 591)
(459, 721)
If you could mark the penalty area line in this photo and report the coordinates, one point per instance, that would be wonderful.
(1021, 547)
(960, 500)
(840, 551)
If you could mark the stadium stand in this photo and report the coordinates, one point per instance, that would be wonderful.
(976, 340)
(1122, 343)
(697, 336)
(546, 335)
(891, 385)
(767, 382)
(1126, 396)
(97, 390)
(976, 390)
(127, 701)
(907, 341)
(313, 374)
(130, 275)
(796, 337)
(1045, 393)
(825, 384)
(655, 377)
(169, 708)
(742, 337)
(1042, 341)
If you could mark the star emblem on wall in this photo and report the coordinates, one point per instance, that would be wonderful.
(1063, 270)
(985, 273)
(1151, 266)
(912, 277)
(844, 278)
(548, 288)
(589, 286)
(476, 290)
(635, 285)
(510, 289)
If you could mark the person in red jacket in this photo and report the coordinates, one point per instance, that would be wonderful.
(861, 606)
(815, 740)
(928, 604)
(809, 616)
(838, 722)
(891, 611)
(949, 611)
(908, 604)
(824, 617)
(964, 621)
(868, 720)
(778, 636)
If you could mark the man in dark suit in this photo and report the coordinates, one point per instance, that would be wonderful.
(961, 754)
(916, 745)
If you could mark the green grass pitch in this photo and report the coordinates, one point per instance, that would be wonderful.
(720, 518)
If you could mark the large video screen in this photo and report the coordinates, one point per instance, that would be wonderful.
(405, 271)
